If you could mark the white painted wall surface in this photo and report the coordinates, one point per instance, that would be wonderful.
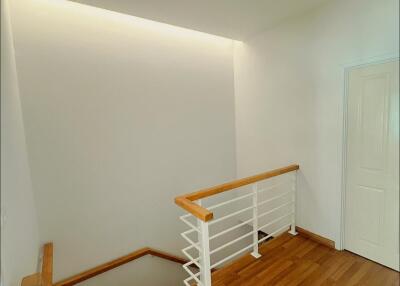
(121, 116)
(146, 271)
(19, 228)
(289, 98)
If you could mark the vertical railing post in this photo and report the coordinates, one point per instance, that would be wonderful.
(255, 252)
(294, 187)
(204, 253)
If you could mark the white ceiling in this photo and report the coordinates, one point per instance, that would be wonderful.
(236, 19)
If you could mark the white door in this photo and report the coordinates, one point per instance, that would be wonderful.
(372, 172)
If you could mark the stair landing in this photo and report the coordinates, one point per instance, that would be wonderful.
(295, 260)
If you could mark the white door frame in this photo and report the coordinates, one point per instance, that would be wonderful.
(346, 70)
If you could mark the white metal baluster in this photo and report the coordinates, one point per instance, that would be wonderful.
(204, 240)
(294, 185)
(255, 252)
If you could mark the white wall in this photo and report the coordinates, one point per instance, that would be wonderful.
(289, 97)
(145, 271)
(121, 116)
(19, 229)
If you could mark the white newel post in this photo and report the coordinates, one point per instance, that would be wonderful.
(294, 186)
(255, 252)
(204, 241)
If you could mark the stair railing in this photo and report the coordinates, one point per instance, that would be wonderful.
(276, 212)
(45, 276)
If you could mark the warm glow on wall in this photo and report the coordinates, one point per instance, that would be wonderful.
(79, 10)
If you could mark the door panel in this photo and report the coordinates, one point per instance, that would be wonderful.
(373, 123)
(372, 173)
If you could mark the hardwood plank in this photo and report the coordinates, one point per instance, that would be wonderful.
(286, 260)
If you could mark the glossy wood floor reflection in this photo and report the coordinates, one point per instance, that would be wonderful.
(289, 260)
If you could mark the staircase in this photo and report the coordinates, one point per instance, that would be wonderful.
(45, 276)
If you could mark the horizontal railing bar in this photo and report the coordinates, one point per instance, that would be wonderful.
(189, 231)
(187, 201)
(192, 259)
(231, 256)
(192, 275)
(222, 204)
(187, 264)
(273, 233)
(274, 221)
(190, 263)
(186, 215)
(273, 186)
(230, 201)
(193, 208)
(273, 198)
(230, 215)
(190, 224)
(195, 263)
(189, 247)
(231, 242)
(275, 209)
(186, 281)
(196, 245)
(231, 228)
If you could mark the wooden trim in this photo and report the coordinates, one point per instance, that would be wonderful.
(32, 280)
(315, 237)
(239, 183)
(45, 277)
(187, 201)
(167, 256)
(47, 265)
(118, 262)
(103, 268)
(195, 209)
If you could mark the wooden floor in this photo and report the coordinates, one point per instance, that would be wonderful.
(289, 260)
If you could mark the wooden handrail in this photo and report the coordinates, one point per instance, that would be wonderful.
(47, 265)
(103, 268)
(75, 279)
(167, 256)
(187, 201)
(45, 277)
